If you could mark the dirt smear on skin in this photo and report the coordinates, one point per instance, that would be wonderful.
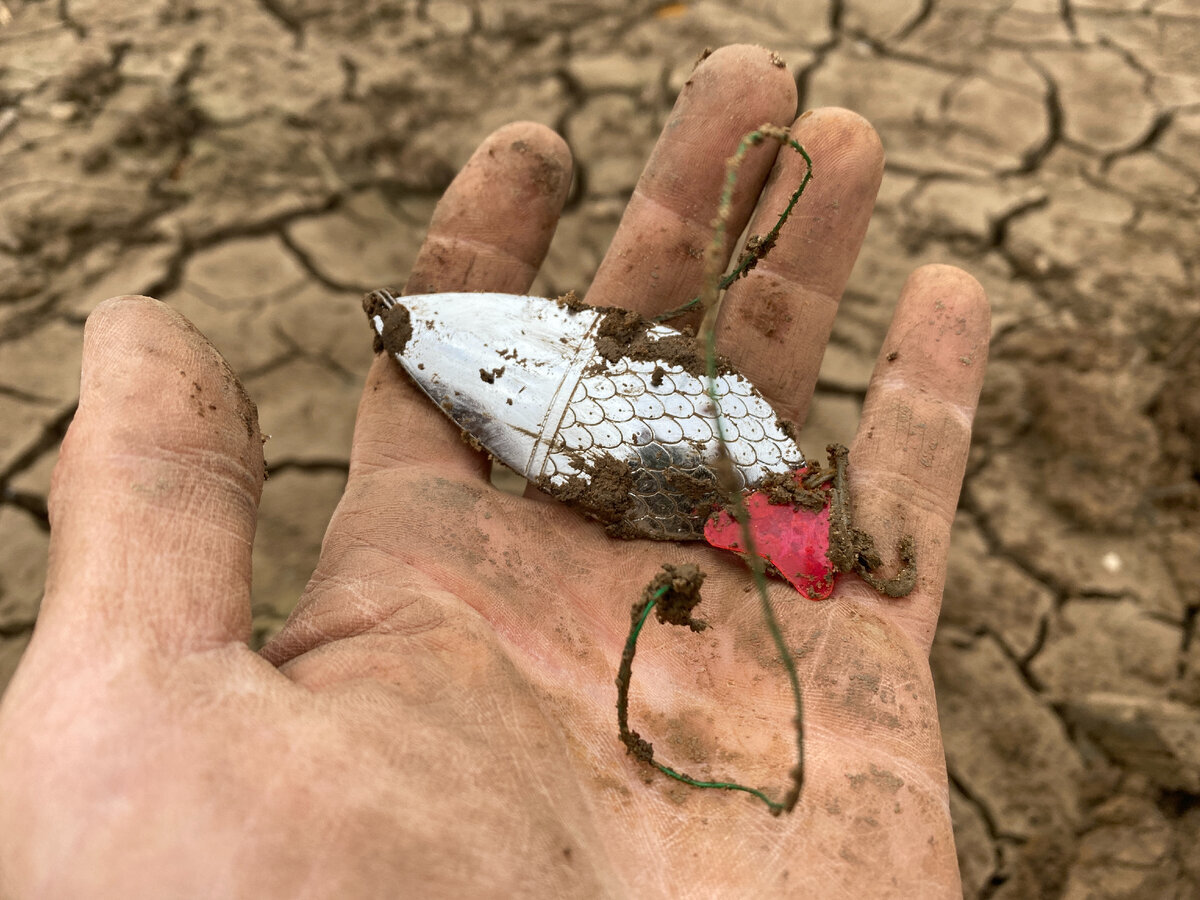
(548, 174)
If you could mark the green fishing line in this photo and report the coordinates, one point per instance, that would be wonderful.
(709, 300)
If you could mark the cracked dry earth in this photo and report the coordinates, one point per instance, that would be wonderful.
(260, 164)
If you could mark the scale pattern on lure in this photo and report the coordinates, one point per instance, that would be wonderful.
(660, 421)
(631, 441)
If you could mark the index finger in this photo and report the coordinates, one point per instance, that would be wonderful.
(490, 232)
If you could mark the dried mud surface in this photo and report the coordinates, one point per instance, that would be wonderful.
(259, 165)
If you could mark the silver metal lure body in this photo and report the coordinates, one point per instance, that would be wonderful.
(544, 387)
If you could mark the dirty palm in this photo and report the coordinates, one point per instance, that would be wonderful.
(438, 708)
(647, 430)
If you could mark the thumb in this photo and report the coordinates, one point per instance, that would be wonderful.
(154, 499)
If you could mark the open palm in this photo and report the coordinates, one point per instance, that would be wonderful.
(438, 716)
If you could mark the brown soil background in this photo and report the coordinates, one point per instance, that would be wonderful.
(261, 164)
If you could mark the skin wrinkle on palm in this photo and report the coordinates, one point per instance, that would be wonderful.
(1076, 235)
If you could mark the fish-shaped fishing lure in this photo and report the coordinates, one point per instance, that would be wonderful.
(611, 413)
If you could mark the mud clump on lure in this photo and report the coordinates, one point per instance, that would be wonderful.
(624, 334)
(397, 328)
(602, 489)
(605, 490)
(572, 302)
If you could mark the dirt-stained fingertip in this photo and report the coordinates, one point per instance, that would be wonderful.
(843, 134)
(939, 334)
(777, 320)
(520, 173)
(132, 331)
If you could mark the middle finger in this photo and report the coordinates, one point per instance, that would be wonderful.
(656, 259)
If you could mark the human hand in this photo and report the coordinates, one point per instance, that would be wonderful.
(438, 714)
